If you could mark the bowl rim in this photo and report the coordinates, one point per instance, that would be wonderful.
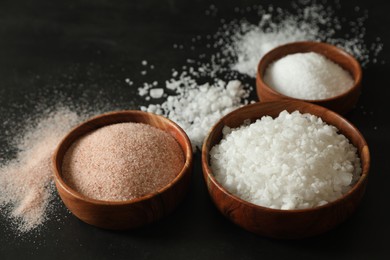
(208, 173)
(188, 158)
(356, 80)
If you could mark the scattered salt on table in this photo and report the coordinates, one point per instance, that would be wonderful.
(196, 108)
(244, 43)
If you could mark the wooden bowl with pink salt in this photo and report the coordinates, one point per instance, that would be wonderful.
(285, 169)
(123, 170)
(314, 72)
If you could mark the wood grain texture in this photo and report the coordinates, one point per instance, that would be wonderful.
(127, 214)
(286, 224)
(342, 103)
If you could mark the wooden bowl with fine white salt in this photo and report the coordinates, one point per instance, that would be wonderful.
(128, 201)
(316, 85)
(275, 222)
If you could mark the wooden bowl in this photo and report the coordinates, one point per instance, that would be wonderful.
(132, 213)
(342, 103)
(278, 223)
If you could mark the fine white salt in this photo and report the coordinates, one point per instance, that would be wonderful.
(294, 161)
(122, 161)
(307, 76)
(243, 43)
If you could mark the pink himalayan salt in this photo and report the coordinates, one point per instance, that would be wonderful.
(26, 182)
(122, 162)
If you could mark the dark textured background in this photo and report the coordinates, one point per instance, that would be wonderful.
(81, 51)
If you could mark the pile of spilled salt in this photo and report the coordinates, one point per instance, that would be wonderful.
(26, 184)
(196, 108)
(243, 43)
(307, 76)
(294, 161)
(122, 162)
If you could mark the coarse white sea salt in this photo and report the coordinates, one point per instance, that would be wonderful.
(307, 76)
(294, 161)
(196, 108)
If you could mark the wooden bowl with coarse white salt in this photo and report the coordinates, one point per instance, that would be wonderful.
(278, 222)
(311, 80)
(112, 178)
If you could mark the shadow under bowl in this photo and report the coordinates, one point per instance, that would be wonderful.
(131, 213)
(276, 223)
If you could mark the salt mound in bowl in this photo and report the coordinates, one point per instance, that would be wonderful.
(278, 223)
(341, 103)
(130, 213)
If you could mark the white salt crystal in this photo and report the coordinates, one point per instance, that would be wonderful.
(144, 90)
(307, 76)
(175, 73)
(294, 161)
(156, 93)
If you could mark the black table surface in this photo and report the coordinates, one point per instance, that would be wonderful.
(83, 51)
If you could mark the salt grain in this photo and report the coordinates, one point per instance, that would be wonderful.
(156, 92)
(122, 161)
(294, 161)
